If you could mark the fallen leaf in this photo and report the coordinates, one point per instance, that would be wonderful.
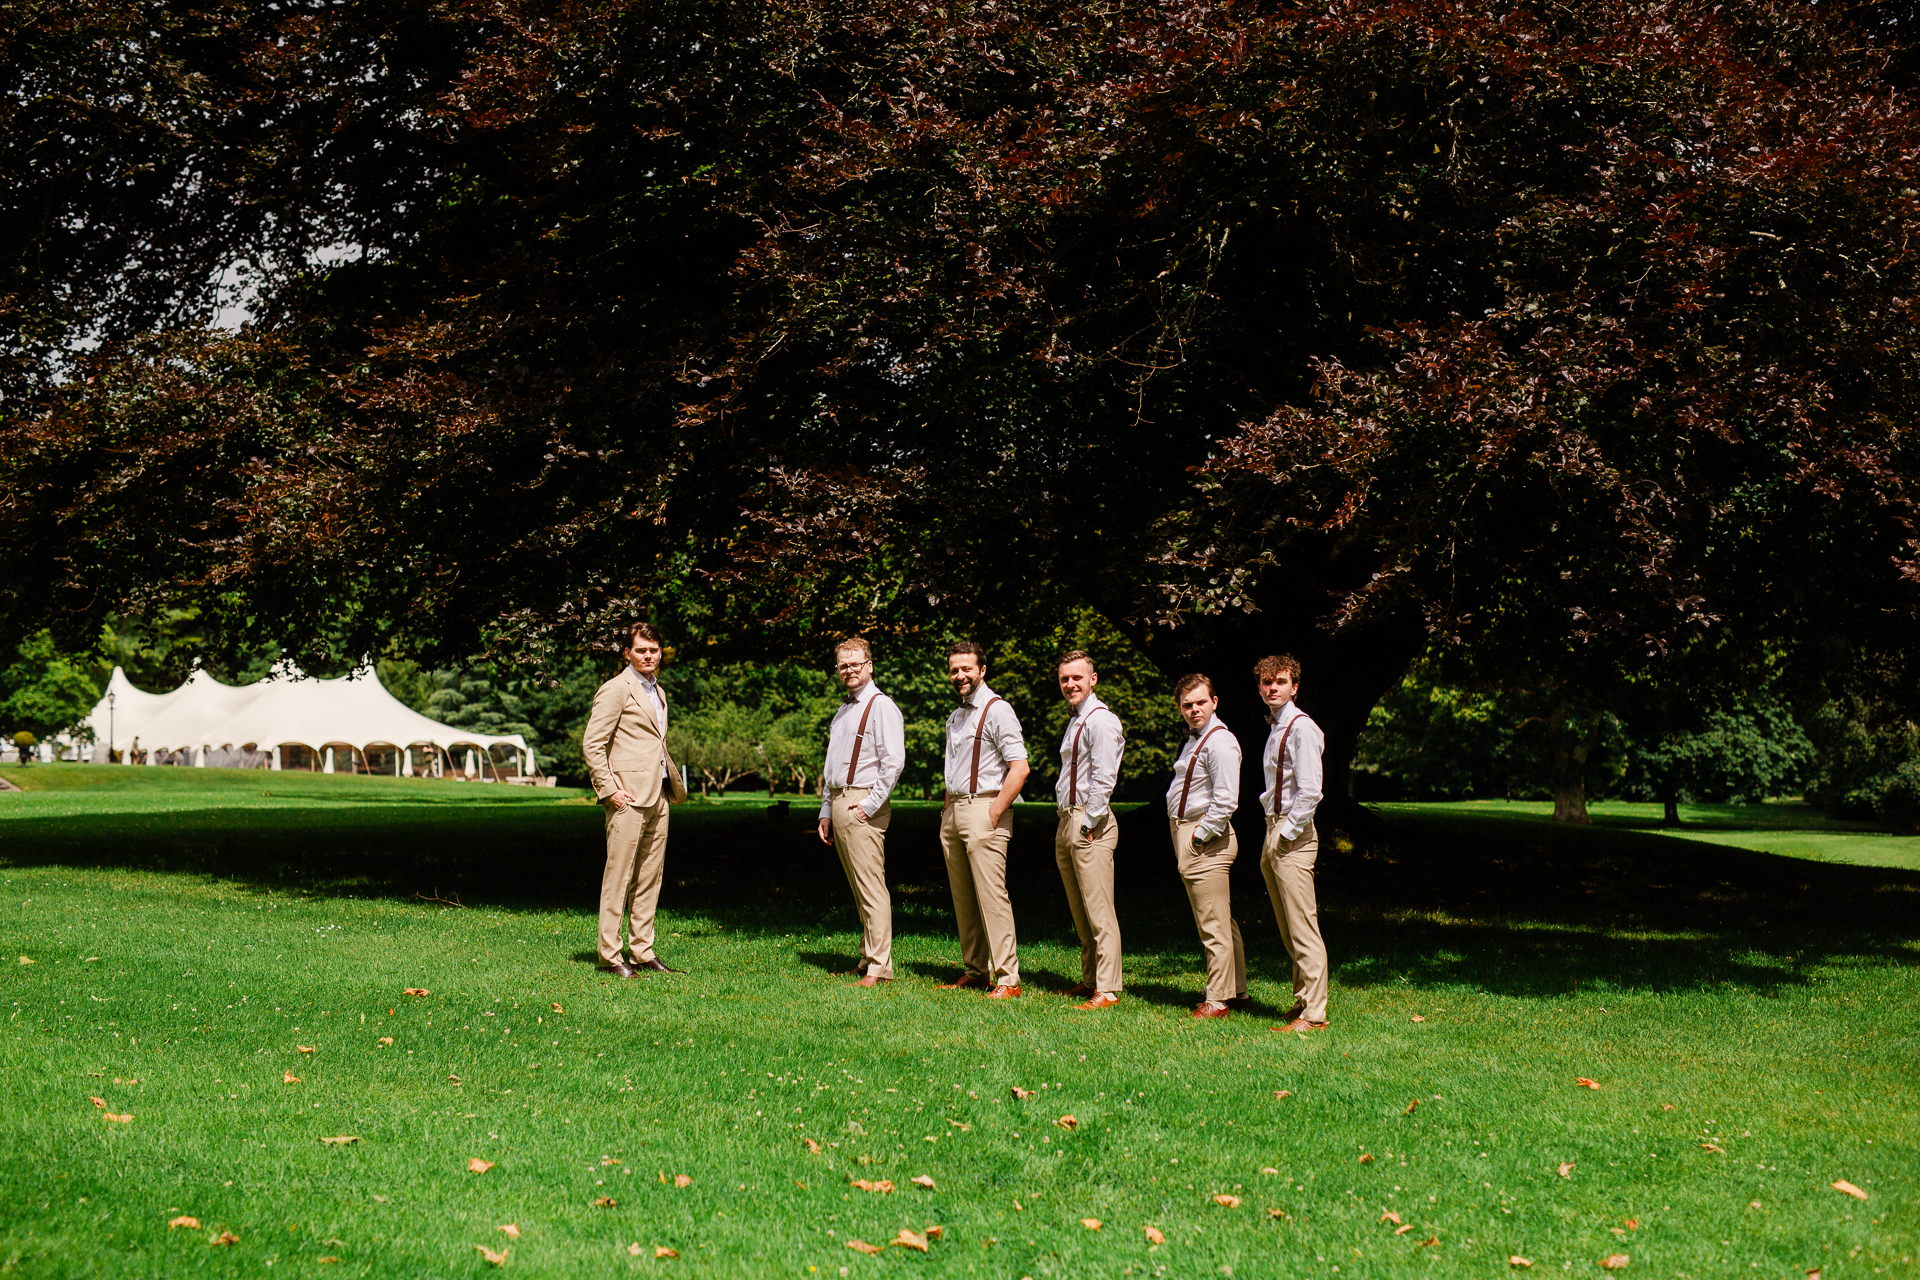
(1566, 1168)
(386, 1039)
(289, 1078)
(1633, 1224)
(1585, 1083)
(1419, 1017)
(1666, 1106)
(1814, 1274)
(1283, 1093)
(910, 1240)
(98, 1102)
(883, 1186)
(1753, 1204)
(1366, 1157)
(813, 1147)
(129, 1120)
(1403, 1230)
(1018, 1092)
(497, 1259)
(306, 1048)
(1091, 1224)
(557, 1008)
(342, 1140)
(604, 1202)
(1068, 1123)
(1154, 1236)
(1717, 1150)
(1428, 1241)
(1388, 1215)
(416, 991)
(961, 1125)
(635, 1249)
(682, 1181)
(1842, 1185)
(862, 1246)
(922, 1180)
(1273, 1212)
(1517, 1261)
(24, 960)
(1269, 1171)
(510, 1230)
(453, 1079)
(607, 1160)
(1231, 1202)
(191, 1224)
(224, 1239)
(934, 1233)
(661, 1251)
(1410, 1107)
(1615, 1261)
(477, 1165)
(326, 1260)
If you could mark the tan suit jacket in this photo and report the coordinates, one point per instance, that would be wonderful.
(623, 737)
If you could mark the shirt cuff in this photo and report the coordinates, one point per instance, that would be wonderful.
(1095, 814)
(868, 807)
(826, 809)
(1018, 752)
(1201, 835)
(1290, 830)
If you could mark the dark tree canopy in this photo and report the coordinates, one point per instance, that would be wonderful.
(1582, 335)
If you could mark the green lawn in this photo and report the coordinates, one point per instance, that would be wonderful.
(1748, 1017)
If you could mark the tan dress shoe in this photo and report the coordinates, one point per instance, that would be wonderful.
(1210, 1009)
(1101, 1000)
(1301, 1024)
(1003, 992)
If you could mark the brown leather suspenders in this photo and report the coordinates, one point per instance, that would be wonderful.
(1280, 767)
(1073, 769)
(973, 782)
(860, 736)
(1192, 760)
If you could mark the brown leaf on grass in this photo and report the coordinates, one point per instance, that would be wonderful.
(1068, 1123)
(934, 1233)
(1615, 1261)
(98, 1102)
(1283, 1093)
(1411, 1107)
(1842, 1185)
(1274, 1211)
(961, 1125)
(1430, 1240)
(497, 1259)
(635, 1249)
(606, 1161)
(1517, 1261)
(557, 1008)
(682, 1181)
(1713, 1147)
(119, 1119)
(910, 1240)
(25, 960)
(1269, 1171)
(1400, 1231)
(1666, 1106)
(289, 1078)
(1419, 1017)
(324, 1261)
(883, 1186)
(1366, 1157)
(605, 1202)
(922, 1180)
(813, 1148)
(342, 1140)
(1154, 1236)
(386, 1039)
(1231, 1202)
(453, 1079)
(191, 1224)
(1566, 1168)
(477, 1165)
(1388, 1215)
(661, 1251)
(1022, 1094)
(1585, 1083)
(306, 1048)
(1633, 1224)
(224, 1239)
(1091, 1224)
(416, 991)
(510, 1230)
(861, 1246)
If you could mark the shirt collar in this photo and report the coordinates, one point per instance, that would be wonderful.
(1287, 713)
(980, 697)
(649, 681)
(1090, 703)
(867, 690)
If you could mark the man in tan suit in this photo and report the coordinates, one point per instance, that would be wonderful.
(626, 749)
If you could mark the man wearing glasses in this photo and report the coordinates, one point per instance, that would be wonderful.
(866, 749)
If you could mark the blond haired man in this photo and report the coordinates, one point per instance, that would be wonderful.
(1291, 764)
(1200, 804)
(1084, 842)
(986, 767)
(866, 749)
(625, 744)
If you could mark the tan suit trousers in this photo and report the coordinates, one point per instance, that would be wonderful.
(1288, 868)
(976, 854)
(862, 846)
(636, 864)
(1086, 870)
(1204, 872)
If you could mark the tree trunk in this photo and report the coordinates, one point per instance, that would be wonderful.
(1670, 817)
(1570, 801)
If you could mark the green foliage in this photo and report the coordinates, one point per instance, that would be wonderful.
(44, 691)
(1427, 740)
(1869, 760)
(1750, 749)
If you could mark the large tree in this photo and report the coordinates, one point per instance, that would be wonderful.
(1581, 336)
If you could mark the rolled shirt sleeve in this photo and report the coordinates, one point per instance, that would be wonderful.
(1003, 728)
(1107, 741)
(1305, 746)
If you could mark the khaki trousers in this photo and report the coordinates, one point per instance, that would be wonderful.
(630, 886)
(976, 855)
(1288, 868)
(862, 846)
(1086, 870)
(1204, 872)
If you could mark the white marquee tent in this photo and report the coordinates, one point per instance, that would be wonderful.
(292, 722)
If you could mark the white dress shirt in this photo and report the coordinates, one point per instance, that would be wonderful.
(883, 752)
(1215, 793)
(1000, 743)
(651, 687)
(1294, 795)
(1103, 739)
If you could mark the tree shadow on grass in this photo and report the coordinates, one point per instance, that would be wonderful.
(1434, 900)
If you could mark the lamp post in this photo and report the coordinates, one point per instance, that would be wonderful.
(109, 726)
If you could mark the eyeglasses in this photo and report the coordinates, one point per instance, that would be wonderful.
(853, 666)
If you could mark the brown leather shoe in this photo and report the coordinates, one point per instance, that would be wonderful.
(1003, 992)
(1301, 1024)
(1082, 990)
(1208, 1009)
(1101, 1000)
(653, 964)
(965, 981)
(619, 969)
(871, 980)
